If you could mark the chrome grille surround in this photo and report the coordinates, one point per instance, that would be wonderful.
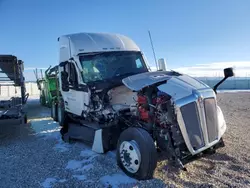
(205, 136)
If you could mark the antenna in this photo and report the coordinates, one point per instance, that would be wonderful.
(153, 49)
(35, 72)
(41, 73)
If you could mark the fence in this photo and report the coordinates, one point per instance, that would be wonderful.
(11, 91)
(230, 83)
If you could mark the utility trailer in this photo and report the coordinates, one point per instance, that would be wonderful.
(12, 75)
(47, 85)
(109, 99)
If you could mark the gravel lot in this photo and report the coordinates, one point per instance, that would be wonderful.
(34, 156)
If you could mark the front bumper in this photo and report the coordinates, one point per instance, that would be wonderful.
(221, 122)
(206, 152)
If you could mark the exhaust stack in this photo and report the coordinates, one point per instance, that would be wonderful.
(162, 64)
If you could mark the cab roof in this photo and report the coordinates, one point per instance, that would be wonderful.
(96, 42)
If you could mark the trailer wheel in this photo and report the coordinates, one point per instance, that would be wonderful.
(42, 99)
(63, 120)
(54, 111)
(136, 153)
(25, 119)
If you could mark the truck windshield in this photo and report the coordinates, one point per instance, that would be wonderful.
(107, 65)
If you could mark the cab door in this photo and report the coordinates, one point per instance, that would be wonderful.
(77, 98)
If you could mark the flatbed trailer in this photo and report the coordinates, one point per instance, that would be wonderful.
(11, 110)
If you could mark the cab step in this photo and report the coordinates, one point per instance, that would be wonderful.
(101, 139)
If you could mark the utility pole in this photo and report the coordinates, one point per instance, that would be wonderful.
(153, 49)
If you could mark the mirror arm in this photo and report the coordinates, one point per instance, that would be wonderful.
(219, 83)
(62, 64)
(72, 59)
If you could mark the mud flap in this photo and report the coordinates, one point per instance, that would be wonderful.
(98, 142)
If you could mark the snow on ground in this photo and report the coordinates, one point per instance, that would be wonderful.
(47, 129)
(61, 146)
(49, 182)
(75, 164)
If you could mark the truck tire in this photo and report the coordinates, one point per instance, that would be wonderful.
(136, 154)
(42, 99)
(54, 111)
(62, 116)
(63, 120)
(25, 119)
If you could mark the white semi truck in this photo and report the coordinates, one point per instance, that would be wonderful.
(110, 99)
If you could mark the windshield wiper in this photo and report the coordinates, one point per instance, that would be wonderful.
(127, 74)
(91, 53)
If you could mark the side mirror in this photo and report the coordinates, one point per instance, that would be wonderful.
(65, 82)
(62, 64)
(228, 72)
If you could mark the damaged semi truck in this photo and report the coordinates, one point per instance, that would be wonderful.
(109, 99)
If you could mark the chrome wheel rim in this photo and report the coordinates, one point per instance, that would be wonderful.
(130, 156)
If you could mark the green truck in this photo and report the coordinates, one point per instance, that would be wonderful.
(47, 85)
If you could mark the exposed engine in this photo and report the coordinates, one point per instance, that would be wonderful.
(149, 108)
(156, 109)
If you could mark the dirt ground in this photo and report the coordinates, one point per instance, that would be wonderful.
(35, 156)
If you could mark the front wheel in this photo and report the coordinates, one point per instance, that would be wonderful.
(136, 153)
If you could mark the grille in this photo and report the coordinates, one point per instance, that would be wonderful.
(211, 118)
(190, 116)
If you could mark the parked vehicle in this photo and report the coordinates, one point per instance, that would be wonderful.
(109, 99)
(47, 85)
